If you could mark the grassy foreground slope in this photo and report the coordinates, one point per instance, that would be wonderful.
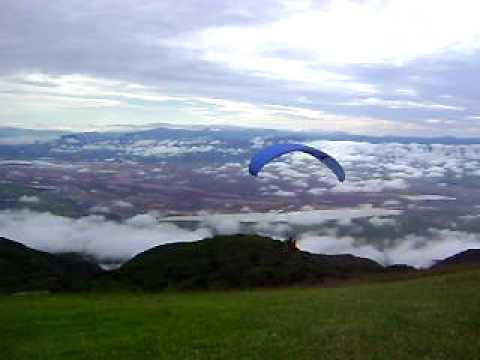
(435, 317)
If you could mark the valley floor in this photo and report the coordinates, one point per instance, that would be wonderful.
(436, 317)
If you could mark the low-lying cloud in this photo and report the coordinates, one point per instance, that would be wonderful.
(92, 235)
(114, 242)
(415, 250)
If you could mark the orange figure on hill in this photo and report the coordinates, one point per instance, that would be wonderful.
(292, 245)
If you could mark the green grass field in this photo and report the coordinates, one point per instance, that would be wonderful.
(435, 317)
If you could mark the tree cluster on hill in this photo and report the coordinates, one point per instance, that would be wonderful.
(26, 269)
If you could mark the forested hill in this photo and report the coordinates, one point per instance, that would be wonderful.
(240, 261)
(222, 262)
(26, 269)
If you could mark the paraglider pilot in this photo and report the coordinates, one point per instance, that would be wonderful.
(291, 245)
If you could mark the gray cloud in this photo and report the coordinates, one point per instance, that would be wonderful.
(110, 241)
(140, 42)
(415, 250)
(92, 235)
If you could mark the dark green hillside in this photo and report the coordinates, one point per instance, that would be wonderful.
(25, 269)
(235, 262)
(469, 257)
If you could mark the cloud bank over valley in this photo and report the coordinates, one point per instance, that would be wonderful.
(112, 243)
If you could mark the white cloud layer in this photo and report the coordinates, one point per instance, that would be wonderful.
(111, 241)
(302, 218)
(92, 235)
(29, 199)
(374, 168)
(415, 250)
(346, 32)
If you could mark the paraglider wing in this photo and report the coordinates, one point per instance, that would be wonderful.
(266, 155)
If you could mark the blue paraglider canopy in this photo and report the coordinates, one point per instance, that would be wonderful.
(263, 157)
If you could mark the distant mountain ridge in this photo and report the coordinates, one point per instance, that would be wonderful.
(23, 144)
(239, 133)
(165, 130)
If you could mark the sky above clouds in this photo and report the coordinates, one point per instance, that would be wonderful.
(398, 67)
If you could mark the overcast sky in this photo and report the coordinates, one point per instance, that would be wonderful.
(403, 67)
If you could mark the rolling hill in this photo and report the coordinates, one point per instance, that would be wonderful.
(467, 257)
(240, 261)
(25, 269)
(222, 262)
